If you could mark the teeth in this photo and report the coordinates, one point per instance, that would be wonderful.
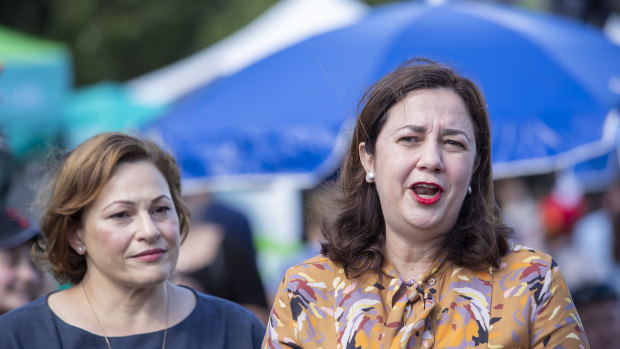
(424, 185)
(425, 190)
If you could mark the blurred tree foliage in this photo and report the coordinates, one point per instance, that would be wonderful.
(122, 39)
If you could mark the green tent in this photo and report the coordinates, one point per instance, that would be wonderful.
(35, 79)
(102, 107)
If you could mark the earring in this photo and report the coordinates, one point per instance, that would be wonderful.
(80, 249)
(469, 190)
(370, 177)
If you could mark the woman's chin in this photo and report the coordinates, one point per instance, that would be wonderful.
(149, 279)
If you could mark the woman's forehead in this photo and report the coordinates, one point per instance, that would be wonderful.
(430, 108)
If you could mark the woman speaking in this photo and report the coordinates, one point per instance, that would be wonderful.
(416, 255)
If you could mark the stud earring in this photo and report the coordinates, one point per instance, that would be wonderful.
(370, 177)
(80, 249)
(469, 190)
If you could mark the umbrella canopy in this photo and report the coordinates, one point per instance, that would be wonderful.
(283, 24)
(549, 84)
(599, 172)
(113, 106)
(35, 78)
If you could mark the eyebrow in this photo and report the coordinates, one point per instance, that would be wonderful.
(132, 203)
(446, 132)
(452, 132)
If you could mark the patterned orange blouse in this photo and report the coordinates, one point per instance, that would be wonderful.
(523, 304)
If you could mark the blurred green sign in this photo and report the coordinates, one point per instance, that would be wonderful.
(35, 79)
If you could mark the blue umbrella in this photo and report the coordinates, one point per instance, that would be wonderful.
(547, 82)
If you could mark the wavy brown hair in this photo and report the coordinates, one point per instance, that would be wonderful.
(355, 235)
(78, 181)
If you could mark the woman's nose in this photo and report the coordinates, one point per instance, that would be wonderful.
(147, 228)
(430, 157)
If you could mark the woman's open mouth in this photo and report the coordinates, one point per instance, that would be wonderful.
(426, 193)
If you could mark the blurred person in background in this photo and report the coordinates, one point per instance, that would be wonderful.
(218, 256)
(599, 309)
(415, 254)
(317, 205)
(21, 281)
(112, 225)
(520, 209)
(234, 222)
(597, 235)
(560, 210)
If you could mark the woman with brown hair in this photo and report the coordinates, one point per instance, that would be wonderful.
(112, 227)
(416, 255)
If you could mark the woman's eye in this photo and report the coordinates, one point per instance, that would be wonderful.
(409, 139)
(455, 144)
(162, 210)
(120, 215)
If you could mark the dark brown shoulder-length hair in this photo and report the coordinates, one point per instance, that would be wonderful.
(77, 182)
(355, 234)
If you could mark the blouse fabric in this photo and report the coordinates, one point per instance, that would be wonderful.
(522, 304)
(214, 323)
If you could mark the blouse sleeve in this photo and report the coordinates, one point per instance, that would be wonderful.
(303, 307)
(556, 323)
(282, 328)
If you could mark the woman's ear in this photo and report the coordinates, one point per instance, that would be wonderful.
(366, 158)
(75, 240)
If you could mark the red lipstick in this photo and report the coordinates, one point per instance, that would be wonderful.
(426, 193)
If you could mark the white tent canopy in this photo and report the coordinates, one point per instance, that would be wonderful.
(285, 23)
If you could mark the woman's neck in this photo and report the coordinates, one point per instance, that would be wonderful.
(124, 311)
(411, 257)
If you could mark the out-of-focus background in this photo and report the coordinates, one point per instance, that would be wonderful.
(256, 100)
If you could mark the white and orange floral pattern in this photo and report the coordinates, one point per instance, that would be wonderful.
(523, 304)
